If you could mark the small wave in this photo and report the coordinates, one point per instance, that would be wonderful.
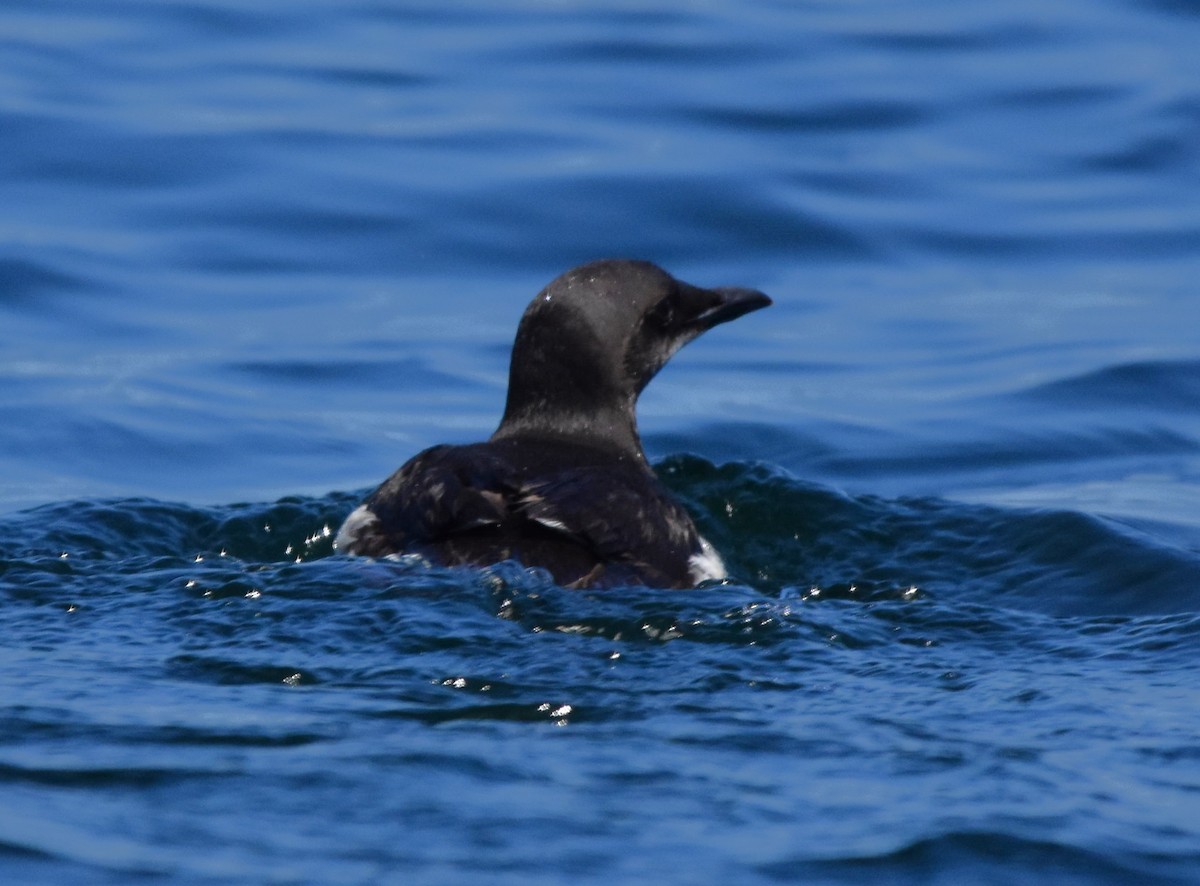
(356, 374)
(27, 283)
(778, 531)
(779, 535)
(1164, 384)
(123, 529)
(974, 856)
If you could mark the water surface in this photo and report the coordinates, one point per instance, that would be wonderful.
(255, 255)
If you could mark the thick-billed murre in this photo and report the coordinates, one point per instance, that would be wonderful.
(563, 484)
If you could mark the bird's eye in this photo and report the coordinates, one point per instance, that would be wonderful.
(662, 314)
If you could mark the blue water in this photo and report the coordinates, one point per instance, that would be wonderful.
(254, 255)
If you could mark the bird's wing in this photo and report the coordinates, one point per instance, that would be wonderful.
(435, 495)
(633, 530)
(619, 517)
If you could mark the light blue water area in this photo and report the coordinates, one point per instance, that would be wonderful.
(254, 255)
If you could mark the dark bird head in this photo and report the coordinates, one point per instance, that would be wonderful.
(592, 340)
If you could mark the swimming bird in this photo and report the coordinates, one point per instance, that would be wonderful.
(564, 484)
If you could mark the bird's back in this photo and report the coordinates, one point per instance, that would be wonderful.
(588, 516)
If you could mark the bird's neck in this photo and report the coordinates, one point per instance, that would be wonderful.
(612, 430)
(568, 388)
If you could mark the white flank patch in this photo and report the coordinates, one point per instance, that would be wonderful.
(706, 564)
(551, 523)
(360, 518)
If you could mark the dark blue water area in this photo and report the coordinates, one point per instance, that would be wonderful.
(254, 255)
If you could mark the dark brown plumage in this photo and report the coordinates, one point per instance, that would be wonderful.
(563, 483)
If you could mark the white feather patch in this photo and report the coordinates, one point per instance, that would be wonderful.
(706, 564)
(360, 518)
(550, 523)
